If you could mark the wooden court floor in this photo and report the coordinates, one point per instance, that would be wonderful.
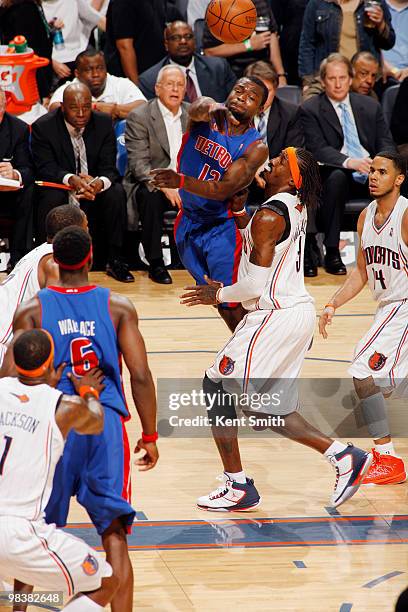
(291, 554)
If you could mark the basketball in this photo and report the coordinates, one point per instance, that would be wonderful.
(231, 21)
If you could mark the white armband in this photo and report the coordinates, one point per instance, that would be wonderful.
(248, 288)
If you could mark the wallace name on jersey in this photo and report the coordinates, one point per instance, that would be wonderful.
(70, 326)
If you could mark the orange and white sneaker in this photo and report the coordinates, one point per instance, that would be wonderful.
(385, 469)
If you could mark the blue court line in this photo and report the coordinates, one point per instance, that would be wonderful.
(373, 583)
(345, 607)
(258, 532)
(299, 564)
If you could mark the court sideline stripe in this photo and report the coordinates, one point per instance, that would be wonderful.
(219, 318)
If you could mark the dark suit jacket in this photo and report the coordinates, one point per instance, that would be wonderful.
(284, 128)
(214, 76)
(324, 135)
(14, 135)
(148, 147)
(53, 152)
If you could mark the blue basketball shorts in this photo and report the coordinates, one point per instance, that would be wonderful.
(212, 248)
(95, 469)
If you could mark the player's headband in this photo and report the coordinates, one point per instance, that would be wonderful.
(44, 366)
(76, 266)
(294, 166)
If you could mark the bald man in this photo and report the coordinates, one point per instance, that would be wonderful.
(76, 147)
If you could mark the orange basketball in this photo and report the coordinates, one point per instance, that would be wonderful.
(231, 21)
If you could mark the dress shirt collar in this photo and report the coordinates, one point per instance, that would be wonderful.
(166, 113)
(190, 67)
(72, 130)
(336, 103)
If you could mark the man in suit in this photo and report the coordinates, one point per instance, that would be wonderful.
(153, 138)
(344, 131)
(206, 76)
(16, 164)
(76, 147)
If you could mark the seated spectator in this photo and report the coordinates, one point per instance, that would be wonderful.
(205, 76)
(116, 96)
(76, 146)
(366, 69)
(16, 164)
(260, 46)
(344, 131)
(71, 13)
(289, 17)
(396, 59)
(134, 36)
(153, 138)
(344, 27)
(26, 18)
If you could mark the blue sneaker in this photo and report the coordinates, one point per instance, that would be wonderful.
(231, 496)
(351, 465)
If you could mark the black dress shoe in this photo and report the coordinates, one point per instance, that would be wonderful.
(160, 275)
(119, 270)
(309, 269)
(334, 265)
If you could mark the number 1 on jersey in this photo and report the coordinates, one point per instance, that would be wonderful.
(5, 453)
(83, 357)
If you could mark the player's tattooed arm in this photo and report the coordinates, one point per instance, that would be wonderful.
(238, 176)
(354, 283)
(132, 347)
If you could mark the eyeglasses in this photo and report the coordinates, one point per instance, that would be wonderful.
(179, 37)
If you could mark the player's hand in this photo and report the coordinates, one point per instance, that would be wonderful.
(237, 201)
(82, 189)
(221, 118)
(94, 378)
(56, 375)
(361, 165)
(165, 177)
(260, 41)
(201, 294)
(326, 319)
(173, 196)
(149, 460)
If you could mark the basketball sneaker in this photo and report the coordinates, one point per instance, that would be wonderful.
(351, 465)
(231, 496)
(385, 469)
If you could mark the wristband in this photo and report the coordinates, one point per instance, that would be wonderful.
(151, 438)
(247, 45)
(239, 213)
(329, 305)
(182, 179)
(84, 389)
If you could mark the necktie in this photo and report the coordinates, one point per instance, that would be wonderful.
(351, 140)
(81, 162)
(190, 87)
(262, 126)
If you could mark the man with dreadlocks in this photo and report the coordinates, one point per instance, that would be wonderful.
(261, 358)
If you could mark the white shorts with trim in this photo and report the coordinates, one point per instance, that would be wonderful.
(383, 351)
(266, 353)
(48, 558)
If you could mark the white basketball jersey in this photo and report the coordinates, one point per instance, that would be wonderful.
(30, 446)
(386, 254)
(285, 287)
(19, 286)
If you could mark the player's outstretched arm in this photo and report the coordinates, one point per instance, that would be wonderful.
(84, 413)
(237, 206)
(199, 111)
(238, 176)
(133, 349)
(355, 282)
(267, 229)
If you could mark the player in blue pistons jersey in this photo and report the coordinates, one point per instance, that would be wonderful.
(219, 156)
(93, 327)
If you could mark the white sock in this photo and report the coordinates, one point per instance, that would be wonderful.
(334, 449)
(237, 476)
(82, 604)
(386, 449)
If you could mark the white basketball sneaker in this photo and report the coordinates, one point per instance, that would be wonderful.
(231, 496)
(351, 465)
